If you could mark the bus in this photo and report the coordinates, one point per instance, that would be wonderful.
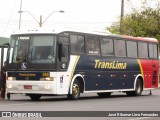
(71, 62)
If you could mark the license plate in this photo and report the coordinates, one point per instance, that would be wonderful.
(27, 86)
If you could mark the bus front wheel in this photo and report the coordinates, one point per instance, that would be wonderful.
(75, 91)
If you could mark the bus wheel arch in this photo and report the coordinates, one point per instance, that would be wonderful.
(138, 87)
(76, 87)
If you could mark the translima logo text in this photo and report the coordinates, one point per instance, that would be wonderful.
(110, 65)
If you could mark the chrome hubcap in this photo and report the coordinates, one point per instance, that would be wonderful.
(75, 89)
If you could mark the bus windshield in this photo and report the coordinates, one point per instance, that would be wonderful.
(37, 51)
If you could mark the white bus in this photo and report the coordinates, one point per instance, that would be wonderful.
(74, 62)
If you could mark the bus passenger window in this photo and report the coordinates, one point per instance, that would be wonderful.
(120, 48)
(142, 50)
(132, 49)
(77, 43)
(92, 45)
(153, 51)
(155, 47)
(107, 46)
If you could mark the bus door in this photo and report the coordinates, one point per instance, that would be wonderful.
(63, 53)
(62, 64)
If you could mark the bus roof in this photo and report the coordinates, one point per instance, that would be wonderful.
(60, 30)
(36, 31)
(94, 32)
(141, 38)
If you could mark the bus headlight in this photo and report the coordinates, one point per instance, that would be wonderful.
(47, 79)
(11, 78)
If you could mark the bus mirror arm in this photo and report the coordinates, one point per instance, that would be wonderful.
(59, 52)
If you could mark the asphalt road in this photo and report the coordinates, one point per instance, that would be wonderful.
(87, 102)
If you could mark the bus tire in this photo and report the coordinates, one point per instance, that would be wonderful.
(35, 97)
(104, 94)
(75, 91)
(138, 89)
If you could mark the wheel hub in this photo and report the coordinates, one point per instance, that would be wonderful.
(75, 89)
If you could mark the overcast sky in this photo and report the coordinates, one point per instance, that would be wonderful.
(85, 14)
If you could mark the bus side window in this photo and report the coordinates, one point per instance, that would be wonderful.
(120, 48)
(107, 46)
(77, 43)
(92, 45)
(143, 50)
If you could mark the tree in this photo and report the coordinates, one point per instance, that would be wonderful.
(142, 23)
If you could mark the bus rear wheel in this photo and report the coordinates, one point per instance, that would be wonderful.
(104, 94)
(35, 97)
(138, 89)
(75, 91)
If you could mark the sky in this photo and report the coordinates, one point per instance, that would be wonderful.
(82, 14)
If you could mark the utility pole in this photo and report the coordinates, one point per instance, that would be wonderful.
(122, 15)
(40, 22)
(20, 15)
